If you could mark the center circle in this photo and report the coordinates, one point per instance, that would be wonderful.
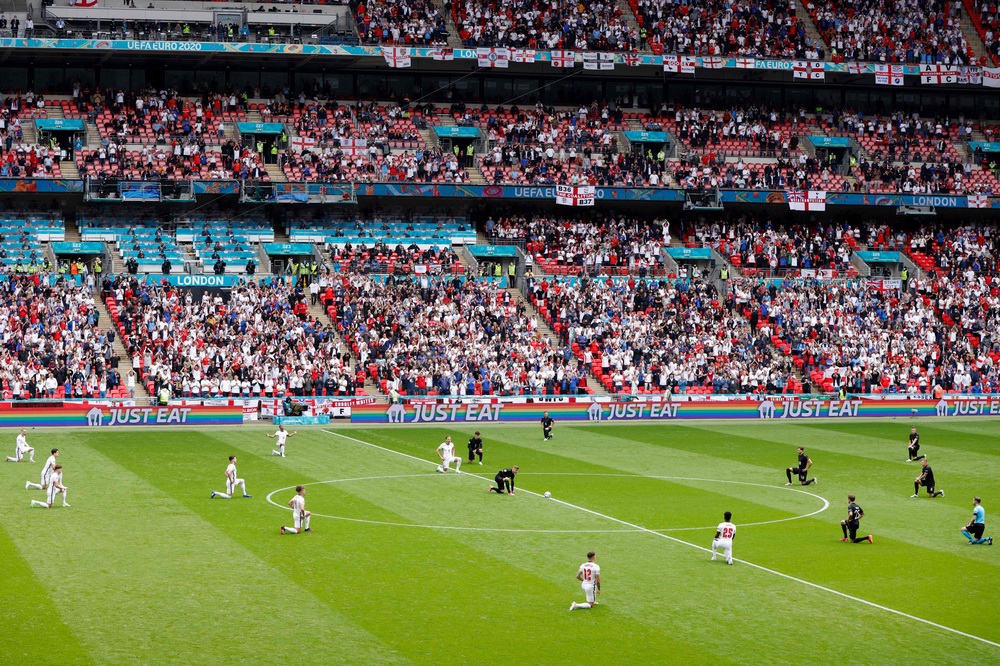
(638, 530)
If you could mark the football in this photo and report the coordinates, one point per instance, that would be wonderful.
(547, 494)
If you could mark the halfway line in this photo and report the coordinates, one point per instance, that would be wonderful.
(693, 545)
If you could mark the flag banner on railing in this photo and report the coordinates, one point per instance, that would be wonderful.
(575, 195)
(806, 199)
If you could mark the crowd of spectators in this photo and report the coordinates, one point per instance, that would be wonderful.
(52, 346)
(398, 259)
(985, 16)
(611, 245)
(648, 336)
(910, 31)
(761, 131)
(181, 160)
(402, 22)
(561, 25)
(764, 28)
(336, 165)
(260, 341)
(537, 165)
(448, 336)
(710, 171)
(751, 242)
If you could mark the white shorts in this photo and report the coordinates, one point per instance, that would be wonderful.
(590, 591)
(45, 477)
(447, 461)
(726, 546)
(53, 491)
(231, 487)
(297, 519)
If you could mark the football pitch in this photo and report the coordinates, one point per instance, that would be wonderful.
(406, 565)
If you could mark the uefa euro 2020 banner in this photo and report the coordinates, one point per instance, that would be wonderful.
(486, 410)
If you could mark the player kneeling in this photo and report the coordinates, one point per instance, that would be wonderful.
(724, 535)
(300, 516)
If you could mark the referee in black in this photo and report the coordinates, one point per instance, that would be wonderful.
(476, 448)
(547, 426)
(854, 515)
(505, 481)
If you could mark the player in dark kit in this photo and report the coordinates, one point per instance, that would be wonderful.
(914, 447)
(926, 479)
(476, 448)
(854, 515)
(547, 426)
(802, 470)
(505, 481)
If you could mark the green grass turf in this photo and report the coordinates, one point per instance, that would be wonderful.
(144, 568)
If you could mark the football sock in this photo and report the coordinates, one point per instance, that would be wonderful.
(291, 530)
(275, 453)
(306, 523)
(810, 481)
(967, 535)
(458, 464)
(920, 457)
(480, 457)
(41, 504)
(64, 496)
(916, 488)
(37, 486)
(860, 539)
(844, 528)
(583, 606)
(983, 540)
(788, 473)
(223, 495)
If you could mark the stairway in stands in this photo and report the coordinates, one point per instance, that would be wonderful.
(107, 323)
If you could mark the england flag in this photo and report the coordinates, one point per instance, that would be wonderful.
(889, 75)
(563, 58)
(979, 201)
(806, 199)
(522, 55)
(396, 56)
(443, 53)
(498, 58)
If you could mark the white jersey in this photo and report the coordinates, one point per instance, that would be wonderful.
(726, 531)
(447, 450)
(22, 444)
(54, 483)
(298, 505)
(589, 571)
(231, 473)
(282, 435)
(50, 465)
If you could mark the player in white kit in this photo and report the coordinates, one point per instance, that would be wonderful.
(21, 448)
(282, 435)
(55, 487)
(446, 451)
(724, 535)
(50, 464)
(232, 482)
(589, 576)
(300, 516)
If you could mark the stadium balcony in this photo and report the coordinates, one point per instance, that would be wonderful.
(531, 165)
(563, 25)
(907, 31)
(737, 132)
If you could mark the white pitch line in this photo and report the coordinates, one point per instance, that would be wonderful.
(759, 567)
(826, 504)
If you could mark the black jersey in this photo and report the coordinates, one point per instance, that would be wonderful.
(914, 441)
(854, 512)
(505, 474)
(927, 476)
(475, 443)
(803, 461)
(547, 421)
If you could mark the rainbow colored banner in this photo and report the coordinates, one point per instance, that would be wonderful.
(13, 415)
(773, 407)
